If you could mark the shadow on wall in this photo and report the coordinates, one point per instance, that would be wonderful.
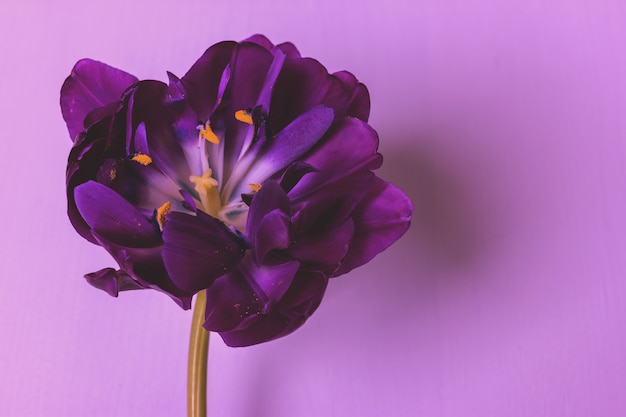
(447, 243)
(445, 231)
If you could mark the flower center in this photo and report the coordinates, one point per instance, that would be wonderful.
(233, 212)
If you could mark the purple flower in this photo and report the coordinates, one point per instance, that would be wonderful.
(250, 178)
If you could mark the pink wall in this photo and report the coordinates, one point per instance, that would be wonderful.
(505, 121)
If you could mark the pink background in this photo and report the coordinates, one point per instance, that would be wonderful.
(505, 121)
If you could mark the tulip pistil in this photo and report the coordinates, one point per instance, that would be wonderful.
(206, 187)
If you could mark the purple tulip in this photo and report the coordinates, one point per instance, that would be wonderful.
(250, 178)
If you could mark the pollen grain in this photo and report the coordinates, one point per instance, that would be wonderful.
(142, 158)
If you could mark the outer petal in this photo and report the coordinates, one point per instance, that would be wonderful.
(114, 218)
(145, 267)
(198, 249)
(324, 251)
(358, 104)
(111, 281)
(270, 197)
(202, 81)
(298, 304)
(272, 233)
(272, 280)
(305, 83)
(349, 146)
(381, 218)
(229, 301)
(287, 48)
(261, 40)
(293, 174)
(83, 164)
(331, 204)
(90, 85)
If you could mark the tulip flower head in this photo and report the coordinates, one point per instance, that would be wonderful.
(250, 178)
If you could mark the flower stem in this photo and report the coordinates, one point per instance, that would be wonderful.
(198, 357)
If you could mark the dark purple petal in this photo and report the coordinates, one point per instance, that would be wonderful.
(229, 301)
(293, 174)
(381, 218)
(83, 165)
(331, 204)
(90, 85)
(202, 81)
(349, 146)
(272, 280)
(112, 282)
(145, 266)
(305, 83)
(263, 102)
(289, 49)
(271, 233)
(189, 203)
(146, 187)
(111, 216)
(101, 113)
(249, 66)
(288, 145)
(298, 304)
(175, 89)
(270, 197)
(325, 250)
(358, 103)
(305, 293)
(198, 249)
(261, 40)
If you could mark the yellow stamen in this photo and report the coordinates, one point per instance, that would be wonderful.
(207, 133)
(161, 212)
(244, 116)
(206, 187)
(142, 158)
(255, 187)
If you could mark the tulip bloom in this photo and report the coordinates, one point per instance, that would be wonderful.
(250, 178)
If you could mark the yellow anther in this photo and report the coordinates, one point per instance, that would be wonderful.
(161, 212)
(205, 132)
(244, 116)
(142, 158)
(255, 187)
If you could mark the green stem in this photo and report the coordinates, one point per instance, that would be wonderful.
(198, 357)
